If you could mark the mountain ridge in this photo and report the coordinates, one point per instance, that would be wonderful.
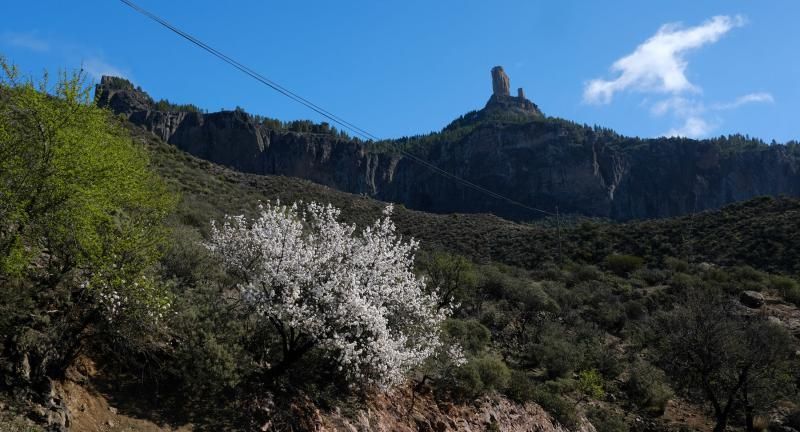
(509, 147)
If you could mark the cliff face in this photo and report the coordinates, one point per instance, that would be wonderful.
(508, 147)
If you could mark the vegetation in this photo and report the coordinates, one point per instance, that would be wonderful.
(731, 360)
(109, 252)
(80, 231)
(354, 297)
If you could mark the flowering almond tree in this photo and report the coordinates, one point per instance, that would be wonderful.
(322, 286)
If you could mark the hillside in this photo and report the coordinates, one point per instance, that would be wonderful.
(123, 307)
(764, 233)
(509, 147)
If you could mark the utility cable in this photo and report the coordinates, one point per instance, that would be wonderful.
(321, 111)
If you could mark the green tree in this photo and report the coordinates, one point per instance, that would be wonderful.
(80, 224)
(452, 275)
(717, 354)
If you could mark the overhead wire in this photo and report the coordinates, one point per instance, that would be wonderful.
(323, 112)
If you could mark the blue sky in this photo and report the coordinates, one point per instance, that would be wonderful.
(405, 67)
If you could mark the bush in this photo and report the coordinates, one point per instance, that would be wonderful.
(557, 353)
(464, 382)
(650, 276)
(590, 383)
(788, 288)
(676, 265)
(471, 335)
(479, 375)
(562, 410)
(520, 387)
(493, 372)
(635, 310)
(623, 265)
(585, 273)
(647, 387)
(606, 421)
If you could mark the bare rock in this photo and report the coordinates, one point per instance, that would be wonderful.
(752, 299)
(545, 162)
(500, 83)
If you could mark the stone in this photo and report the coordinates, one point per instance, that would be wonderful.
(500, 83)
(524, 160)
(751, 299)
(520, 93)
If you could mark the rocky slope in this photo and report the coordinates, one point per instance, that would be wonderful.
(509, 147)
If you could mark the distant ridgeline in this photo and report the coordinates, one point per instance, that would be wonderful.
(509, 147)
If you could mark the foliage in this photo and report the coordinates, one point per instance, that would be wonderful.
(787, 287)
(606, 421)
(623, 265)
(563, 411)
(322, 287)
(82, 225)
(590, 383)
(717, 354)
(452, 276)
(493, 372)
(647, 387)
(470, 335)
(166, 105)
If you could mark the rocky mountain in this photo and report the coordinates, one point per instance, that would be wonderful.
(509, 147)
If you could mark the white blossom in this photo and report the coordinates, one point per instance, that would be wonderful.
(354, 295)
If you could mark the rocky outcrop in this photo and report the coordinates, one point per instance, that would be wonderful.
(752, 299)
(508, 147)
(501, 85)
(502, 103)
(401, 411)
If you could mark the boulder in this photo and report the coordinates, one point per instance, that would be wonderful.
(752, 299)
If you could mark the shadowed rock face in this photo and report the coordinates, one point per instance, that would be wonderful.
(534, 160)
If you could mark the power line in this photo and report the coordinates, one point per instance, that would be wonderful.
(321, 111)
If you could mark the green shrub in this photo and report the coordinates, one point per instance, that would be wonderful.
(606, 421)
(493, 372)
(676, 265)
(635, 310)
(590, 383)
(557, 353)
(479, 375)
(520, 387)
(562, 410)
(683, 281)
(464, 382)
(788, 288)
(585, 273)
(647, 387)
(650, 276)
(623, 265)
(471, 335)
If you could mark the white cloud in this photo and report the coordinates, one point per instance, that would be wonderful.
(659, 63)
(693, 127)
(692, 111)
(97, 67)
(28, 40)
(744, 100)
(658, 66)
(73, 55)
(677, 105)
